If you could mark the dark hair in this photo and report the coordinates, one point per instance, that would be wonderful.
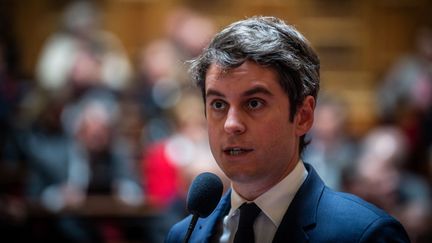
(271, 43)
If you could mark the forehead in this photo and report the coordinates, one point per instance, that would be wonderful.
(248, 72)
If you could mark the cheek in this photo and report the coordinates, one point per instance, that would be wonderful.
(278, 135)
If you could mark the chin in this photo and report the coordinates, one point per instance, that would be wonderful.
(240, 176)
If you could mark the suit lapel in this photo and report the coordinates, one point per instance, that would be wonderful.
(301, 214)
(297, 221)
(207, 228)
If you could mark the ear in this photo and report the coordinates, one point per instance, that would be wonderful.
(305, 116)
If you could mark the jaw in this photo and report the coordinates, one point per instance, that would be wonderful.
(251, 182)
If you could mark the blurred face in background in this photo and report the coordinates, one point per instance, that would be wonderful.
(94, 128)
(251, 136)
(330, 122)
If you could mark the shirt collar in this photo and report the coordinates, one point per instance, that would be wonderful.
(275, 201)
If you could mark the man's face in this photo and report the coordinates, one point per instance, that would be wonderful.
(251, 136)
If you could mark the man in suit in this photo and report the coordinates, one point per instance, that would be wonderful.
(260, 79)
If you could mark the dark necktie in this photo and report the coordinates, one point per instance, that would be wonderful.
(245, 232)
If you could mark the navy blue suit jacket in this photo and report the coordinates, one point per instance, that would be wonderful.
(316, 214)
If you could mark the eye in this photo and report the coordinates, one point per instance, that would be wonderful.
(254, 104)
(218, 105)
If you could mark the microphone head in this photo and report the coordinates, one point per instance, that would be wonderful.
(204, 194)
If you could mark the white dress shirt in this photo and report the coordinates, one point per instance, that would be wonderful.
(273, 204)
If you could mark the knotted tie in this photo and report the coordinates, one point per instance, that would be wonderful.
(245, 232)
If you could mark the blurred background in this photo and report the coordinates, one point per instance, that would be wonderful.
(101, 131)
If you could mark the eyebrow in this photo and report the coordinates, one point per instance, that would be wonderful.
(250, 92)
(212, 92)
(258, 90)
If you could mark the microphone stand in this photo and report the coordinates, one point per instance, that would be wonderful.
(191, 228)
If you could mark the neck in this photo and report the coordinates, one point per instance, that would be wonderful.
(252, 190)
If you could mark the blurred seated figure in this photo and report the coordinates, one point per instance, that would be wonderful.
(408, 85)
(72, 151)
(169, 165)
(331, 150)
(161, 76)
(38, 141)
(77, 48)
(380, 177)
(405, 98)
(101, 161)
(157, 87)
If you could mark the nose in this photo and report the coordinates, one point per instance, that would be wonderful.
(233, 123)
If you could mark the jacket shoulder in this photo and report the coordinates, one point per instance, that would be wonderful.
(343, 203)
(178, 231)
(346, 215)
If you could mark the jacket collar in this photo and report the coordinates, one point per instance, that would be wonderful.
(301, 214)
(207, 228)
(297, 221)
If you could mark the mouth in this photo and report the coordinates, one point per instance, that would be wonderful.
(235, 151)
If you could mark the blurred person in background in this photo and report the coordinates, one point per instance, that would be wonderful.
(169, 165)
(71, 151)
(102, 162)
(331, 150)
(175, 146)
(79, 46)
(88, 67)
(405, 99)
(190, 31)
(157, 87)
(161, 77)
(39, 142)
(380, 177)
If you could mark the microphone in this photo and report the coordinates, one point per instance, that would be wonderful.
(203, 196)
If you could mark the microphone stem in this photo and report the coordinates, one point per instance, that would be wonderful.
(191, 227)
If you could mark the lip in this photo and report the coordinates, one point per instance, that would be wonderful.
(236, 151)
